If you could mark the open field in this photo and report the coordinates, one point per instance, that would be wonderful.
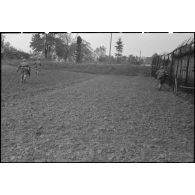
(93, 113)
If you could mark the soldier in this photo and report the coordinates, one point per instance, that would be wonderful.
(24, 69)
(37, 66)
(161, 76)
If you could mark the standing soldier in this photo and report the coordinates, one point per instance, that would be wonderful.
(161, 76)
(38, 66)
(24, 69)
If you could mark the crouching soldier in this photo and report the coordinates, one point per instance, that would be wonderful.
(161, 76)
(24, 69)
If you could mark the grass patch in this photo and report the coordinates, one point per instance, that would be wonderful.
(116, 69)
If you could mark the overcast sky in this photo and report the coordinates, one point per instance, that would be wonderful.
(147, 43)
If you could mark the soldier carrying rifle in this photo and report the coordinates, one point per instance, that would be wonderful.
(161, 76)
(24, 69)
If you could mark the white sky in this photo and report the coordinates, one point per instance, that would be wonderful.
(148, 43)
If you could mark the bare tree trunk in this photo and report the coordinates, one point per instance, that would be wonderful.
(110, 48)
(46, 46)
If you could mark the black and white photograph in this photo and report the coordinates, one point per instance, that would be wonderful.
(97, 97)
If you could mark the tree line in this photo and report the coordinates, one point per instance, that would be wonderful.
(61, 46)
(9, 52)
(67, 47)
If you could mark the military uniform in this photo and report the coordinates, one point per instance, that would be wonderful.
(161, 76)
(24, 69)
(37, 66)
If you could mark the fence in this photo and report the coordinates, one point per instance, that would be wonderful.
(179, 65)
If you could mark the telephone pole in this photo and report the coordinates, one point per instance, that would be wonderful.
(110, 48)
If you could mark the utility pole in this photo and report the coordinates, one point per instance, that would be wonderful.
(110, 48)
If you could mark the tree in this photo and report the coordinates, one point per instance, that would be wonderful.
(63, 45)
(2, 40)
(86, 52)
(43, 43)
(66, 38)
(68, 48)
(100, 53)
(49, 44)
(2, 44)
(10, 52)
(78, 50)
(110, 48)
(60, 49)
(119, 49)
(132, 59)
(37, 42)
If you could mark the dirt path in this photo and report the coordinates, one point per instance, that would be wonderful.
(106, 118)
